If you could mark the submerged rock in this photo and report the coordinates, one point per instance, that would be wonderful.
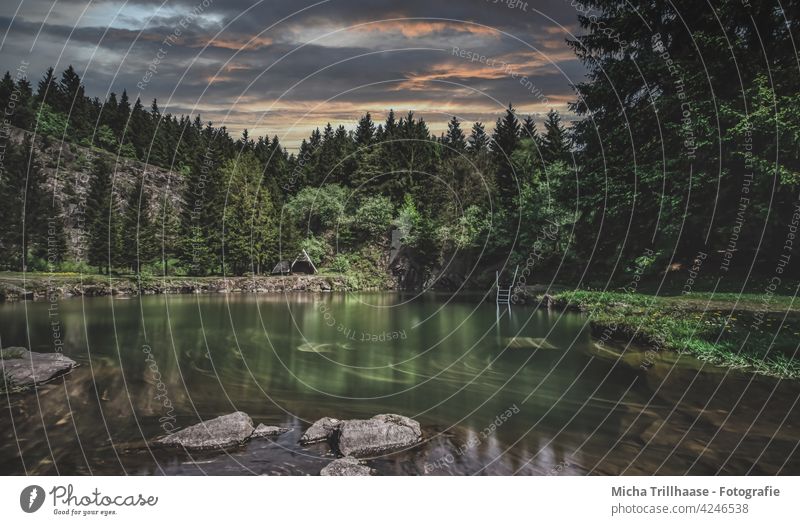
(528, 342)
(223, 431)
(22, 369)
(263, 430)
(321, 430)
(382, 433)
(346, 466)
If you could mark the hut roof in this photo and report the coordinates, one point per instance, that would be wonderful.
(303, 257)
(282, 267)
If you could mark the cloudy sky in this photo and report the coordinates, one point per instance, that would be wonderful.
(286, 66)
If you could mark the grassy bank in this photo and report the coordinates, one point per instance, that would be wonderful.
(35, 285)
(746, 331)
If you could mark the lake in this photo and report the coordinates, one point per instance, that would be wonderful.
(528, 392)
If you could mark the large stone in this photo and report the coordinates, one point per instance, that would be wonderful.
(223, 431)
(382, 433)
(263, 430)
(23, 369)
(321, 430)
(347, 466)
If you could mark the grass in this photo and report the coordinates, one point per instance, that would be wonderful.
(11, 353)
(740, 331)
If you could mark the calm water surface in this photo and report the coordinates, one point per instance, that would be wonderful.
(531, 393)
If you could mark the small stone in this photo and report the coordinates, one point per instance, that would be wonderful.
(321, 430)
(346, 466)
(263, 430)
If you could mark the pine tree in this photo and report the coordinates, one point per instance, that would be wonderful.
(504, 141)
(454, 138)
(478, 139)
(139, 242)
(249, 228)
(139, 130)
(365, 131)
(101, 219)
(555, 143)
(36, 212)
(24, 113)
(6, 88)
(528, 130)
(47, 91)
(72, 102)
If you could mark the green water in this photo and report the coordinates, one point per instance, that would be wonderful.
(528, 393)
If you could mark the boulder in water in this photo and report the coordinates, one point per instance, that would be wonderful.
(321, 430)
(23, 369)
(382, 433)
(223, 431)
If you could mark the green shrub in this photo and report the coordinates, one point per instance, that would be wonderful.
(373, 217)
(316, 248)
(340, 264)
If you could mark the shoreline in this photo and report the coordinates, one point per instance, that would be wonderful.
(725, 334)
(42, 287)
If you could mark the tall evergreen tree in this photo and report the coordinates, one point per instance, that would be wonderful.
(102, 220)
(555, 143)
(478, 139)
(454, 138)
(504, 141)
(365, 131)
(47, 90)
(139, 242)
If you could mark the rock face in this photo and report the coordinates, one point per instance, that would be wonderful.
(347, 466)
(384, 432)
(23, 369)
(263, 430)
(322, 430)
(223, 431)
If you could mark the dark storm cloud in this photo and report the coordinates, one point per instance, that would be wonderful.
(360, 55)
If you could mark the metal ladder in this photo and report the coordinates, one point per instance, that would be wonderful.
(504, 294)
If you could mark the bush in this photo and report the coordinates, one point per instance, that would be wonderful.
(318, 209)
(340, 264)
(78, 267)
(316, 248)
(50, 122)
(373, 217)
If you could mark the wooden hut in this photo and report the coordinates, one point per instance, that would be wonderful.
(282, 268)
(303, 264)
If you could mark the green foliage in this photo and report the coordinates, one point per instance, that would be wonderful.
(49, 122)
(373, 217)
(318, 209)
(102, 219)
(316, 248)
(340, 264)
(250, 235)
(678, 325)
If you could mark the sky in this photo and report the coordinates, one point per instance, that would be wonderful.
(284, 67)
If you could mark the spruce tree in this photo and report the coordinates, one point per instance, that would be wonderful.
(478, 139)
(365, 131)
(454, 138)
(555, 143)
(504, 141)
(139, 242)
(101, 218)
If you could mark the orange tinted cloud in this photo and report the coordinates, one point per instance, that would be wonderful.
(239, 43)
(417, 28)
